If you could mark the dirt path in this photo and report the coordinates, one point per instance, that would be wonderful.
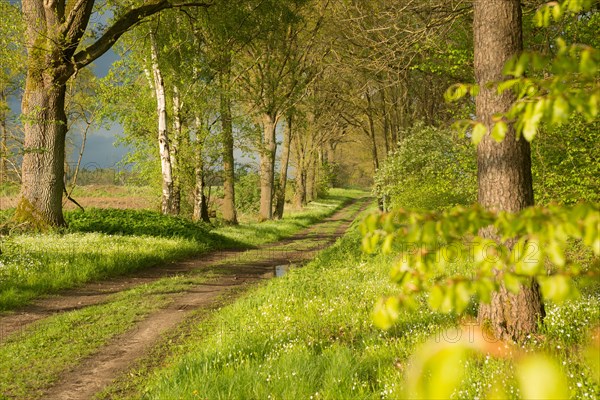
(99, 370)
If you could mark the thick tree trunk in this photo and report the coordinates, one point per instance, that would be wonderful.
(267, 166)
(228, 207)
(163, 138)
(285, 157)
(504, 169)
(174, 150)
(45, 126)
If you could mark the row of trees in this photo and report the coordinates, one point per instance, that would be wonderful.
(320, 75)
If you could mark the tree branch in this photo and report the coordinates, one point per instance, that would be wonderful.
(122, 25)
(74, 26)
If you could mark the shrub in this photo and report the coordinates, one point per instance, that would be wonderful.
(431, 169)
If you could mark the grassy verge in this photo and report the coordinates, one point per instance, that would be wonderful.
(308, 335)
(104, 243)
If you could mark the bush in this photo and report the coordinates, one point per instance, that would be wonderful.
(431, 169)
(566, 163)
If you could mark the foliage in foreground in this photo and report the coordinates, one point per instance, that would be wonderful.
(309, 335)
(427, 247)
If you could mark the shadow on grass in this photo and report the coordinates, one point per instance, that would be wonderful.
(146, 223)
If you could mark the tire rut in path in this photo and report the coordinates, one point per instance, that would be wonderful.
(94, 373)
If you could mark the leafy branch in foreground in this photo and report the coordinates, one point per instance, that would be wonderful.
(430, 247)
(547, 88)
(429, 244)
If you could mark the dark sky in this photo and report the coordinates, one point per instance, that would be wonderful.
(100, 150)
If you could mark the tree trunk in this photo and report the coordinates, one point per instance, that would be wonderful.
(285, 157)
(267, 166)
(504, 169)
(4, 152)
(310, 178)
(163, 138)
(300, 184)
(372, 135)
(228, 206)
(175, 143)
(386, 122)
(200, 202)
(45, 126)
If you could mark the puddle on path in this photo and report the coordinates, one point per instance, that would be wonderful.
(281, 270)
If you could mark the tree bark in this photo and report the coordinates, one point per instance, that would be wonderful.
(267, 166)
(372, 134)
(504, 169)
(200, 203)
(310, 178)
(174, 150)
(285, 157)
(167, 205)
(45, 126)
(228, 207)
(300, 181)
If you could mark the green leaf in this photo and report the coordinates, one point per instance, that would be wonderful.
(541, 378)
(386, 312)
(499, 131)
(558, 288)
(386, 248)
(400, 270)
(560, 111)
(533, 115)
(479, 131)
(436, 370)
(512, 283)
(456, 92)
(462, 296)
(557, 12)
(436, 296)
(556, 253)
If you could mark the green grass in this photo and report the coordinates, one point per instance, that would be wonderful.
(32, 359)
(105, 243)
(309, 335)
